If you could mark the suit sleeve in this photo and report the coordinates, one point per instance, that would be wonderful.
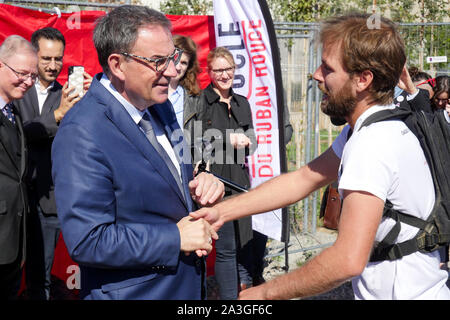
(421, 101)
(85, 192)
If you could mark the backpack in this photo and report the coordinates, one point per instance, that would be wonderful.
(433, 132)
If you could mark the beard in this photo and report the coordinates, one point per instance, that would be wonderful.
(338, 105)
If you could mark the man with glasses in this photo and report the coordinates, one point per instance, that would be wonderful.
(42, 109)
(123, 185)
(18, 71)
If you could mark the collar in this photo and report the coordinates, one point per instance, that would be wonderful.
(179, 89)
(42, 90)
(446, 116)
(134, 112)
(369, 112)
(2, 103)
(212, 96)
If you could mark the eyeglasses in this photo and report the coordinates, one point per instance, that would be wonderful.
(23, 76)
(442, 100)
(432, 82)
(160, 64)
(219, 72)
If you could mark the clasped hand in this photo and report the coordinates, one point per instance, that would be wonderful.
(196, 235)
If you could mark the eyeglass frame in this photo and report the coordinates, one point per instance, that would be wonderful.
(21, 75)
(228, 71)
(442, 100)
(155, 61)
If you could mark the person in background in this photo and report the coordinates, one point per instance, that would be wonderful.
(227, 124)
(441, 103)
(441, 97)
(18, 72)
(42, 109)
(408, 95)
(422, 80)
(184, 88)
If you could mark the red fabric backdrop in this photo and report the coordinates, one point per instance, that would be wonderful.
(77, 29)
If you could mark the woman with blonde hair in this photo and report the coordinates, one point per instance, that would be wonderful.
(227, 125)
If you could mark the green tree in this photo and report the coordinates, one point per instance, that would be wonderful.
(186, 7)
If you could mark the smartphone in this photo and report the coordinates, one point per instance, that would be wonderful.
(76, 79)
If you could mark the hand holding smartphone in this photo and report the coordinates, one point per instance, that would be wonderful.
(76, 79)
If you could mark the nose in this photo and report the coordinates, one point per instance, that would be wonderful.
(171, 70)
(317, 75)
(52, 64)
(29, 82)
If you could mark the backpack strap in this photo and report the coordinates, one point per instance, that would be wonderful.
(387, 114)
(387, 249)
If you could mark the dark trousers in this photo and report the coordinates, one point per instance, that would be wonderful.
(43, 234)
(231, 265)
(258, 244)
(10, 276)
(225, 265)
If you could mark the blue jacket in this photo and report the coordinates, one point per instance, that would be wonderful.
(118, 204)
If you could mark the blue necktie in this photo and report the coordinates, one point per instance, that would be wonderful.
(177, 146)
(148, 123)
(7, 111)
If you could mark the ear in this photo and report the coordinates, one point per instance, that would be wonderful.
(363, 80)
(116, 66)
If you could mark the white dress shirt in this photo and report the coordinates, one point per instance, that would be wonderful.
(42, 93)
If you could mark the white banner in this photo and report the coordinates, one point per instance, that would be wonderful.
(240, 27)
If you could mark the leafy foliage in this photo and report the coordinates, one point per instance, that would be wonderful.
(186, 7)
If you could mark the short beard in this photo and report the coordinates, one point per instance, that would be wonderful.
(340, 104)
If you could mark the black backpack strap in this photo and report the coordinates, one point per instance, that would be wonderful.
(386, 114)
(387, 249)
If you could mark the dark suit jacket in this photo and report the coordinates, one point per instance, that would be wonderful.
(40, 129)
(118, 203)
(13, 197)
(420, 102)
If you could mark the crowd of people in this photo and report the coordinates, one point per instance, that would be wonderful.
(133, 172)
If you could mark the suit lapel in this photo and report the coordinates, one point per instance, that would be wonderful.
(53, 99)
(7, 135)
(31, 99)
(125, 124)
(23, 148)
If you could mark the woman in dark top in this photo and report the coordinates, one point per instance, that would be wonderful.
(228, 131)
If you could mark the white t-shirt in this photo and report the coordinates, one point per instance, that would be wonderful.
(386, 160)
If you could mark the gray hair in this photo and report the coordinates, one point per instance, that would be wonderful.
(15, 44)
(117, 31)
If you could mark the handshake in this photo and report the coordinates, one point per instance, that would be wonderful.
(198, 230)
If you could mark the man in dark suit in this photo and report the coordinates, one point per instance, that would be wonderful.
(18, 71)
(122, 186)
(42, 108)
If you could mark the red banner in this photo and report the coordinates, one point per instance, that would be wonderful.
(77, 29)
